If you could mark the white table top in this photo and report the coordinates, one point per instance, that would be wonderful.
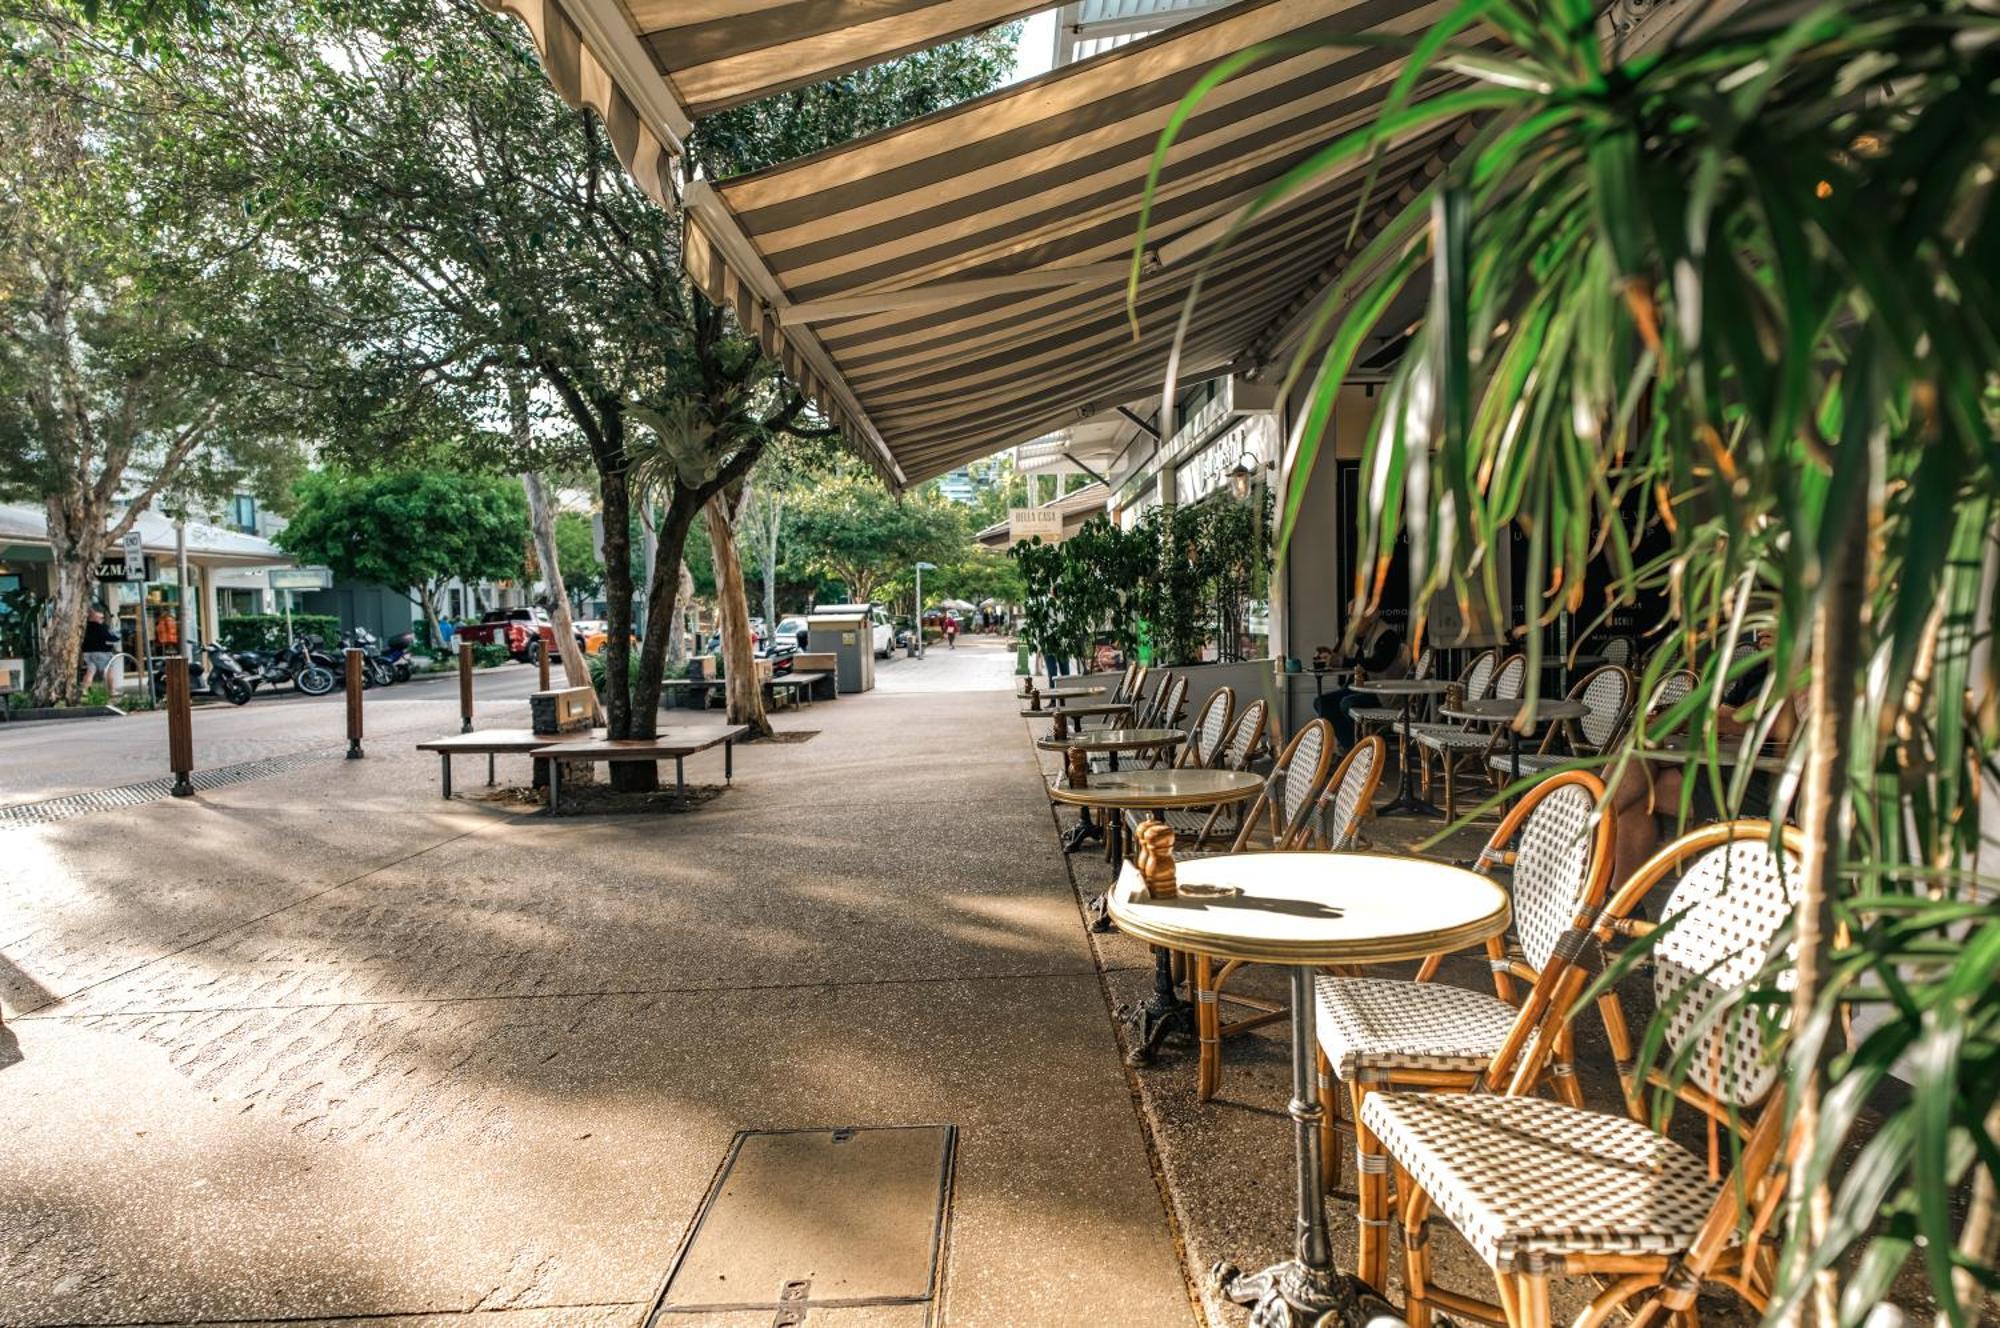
(1094, 708)
(1494, 711)
(1314, 908)
(1404, 686)
(1155, 789)
(1112, 740)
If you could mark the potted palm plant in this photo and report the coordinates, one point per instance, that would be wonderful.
(1737, 290)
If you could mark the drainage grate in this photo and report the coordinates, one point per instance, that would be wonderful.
(818, 1222)
(72, 805)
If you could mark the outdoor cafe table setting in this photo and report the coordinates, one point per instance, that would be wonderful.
(1516, 714)
(1057, 697)
(1409, 689)
(1305, 911)
(1157, 792)
(1111, 742)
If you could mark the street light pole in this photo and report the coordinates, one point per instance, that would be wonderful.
(921, 569)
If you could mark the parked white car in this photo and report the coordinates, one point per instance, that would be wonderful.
(885, 631)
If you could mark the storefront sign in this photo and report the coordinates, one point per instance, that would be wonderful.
(1250, 442)
(1236, 401)
(121, 569)
(301, 578)
(1029, 522)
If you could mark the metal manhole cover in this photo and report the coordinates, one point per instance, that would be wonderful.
(800, 1220)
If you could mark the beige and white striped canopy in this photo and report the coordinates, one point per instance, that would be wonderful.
(956, 284)
(709, 55)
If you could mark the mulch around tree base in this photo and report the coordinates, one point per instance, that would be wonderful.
(600, 800)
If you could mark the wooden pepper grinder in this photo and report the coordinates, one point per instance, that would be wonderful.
(1155, 859)
(1062, 724)
(1076, 762)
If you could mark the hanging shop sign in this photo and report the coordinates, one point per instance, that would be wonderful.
(301, 578)
(1029, 522)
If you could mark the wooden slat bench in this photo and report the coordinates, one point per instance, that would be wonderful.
(491, 743)
(793, 685)
(676, 747)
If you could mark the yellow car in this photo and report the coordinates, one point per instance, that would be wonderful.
(592, 633)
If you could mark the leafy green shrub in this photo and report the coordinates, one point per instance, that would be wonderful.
(266, 631)
(489, 657)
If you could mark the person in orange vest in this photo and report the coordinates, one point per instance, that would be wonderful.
(166, 631)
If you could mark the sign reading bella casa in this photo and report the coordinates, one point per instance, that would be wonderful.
(1028, 522)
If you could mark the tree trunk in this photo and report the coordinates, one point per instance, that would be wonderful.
(1824, 825)
(745, 694)
(541, 518)
(615, 493)
(677, 647)
(77, 541)
(649, 540)
(661, 593)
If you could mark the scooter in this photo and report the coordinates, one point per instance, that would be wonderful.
(301, 664)
(221, 676)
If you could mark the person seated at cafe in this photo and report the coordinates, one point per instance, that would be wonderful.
(1378, 653)
(1648, 794)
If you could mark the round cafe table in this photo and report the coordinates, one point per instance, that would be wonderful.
(1059, 696)
(1409, 689)
(1164, 1014)
(1111, 741)
(1513, 714)
(1305, 911)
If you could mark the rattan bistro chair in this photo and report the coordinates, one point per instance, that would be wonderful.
(1607, 697)
(1210, 727)
(1292, 795)
(1161, 712)
(1375, 719)
(1544, 1189)
(1199, 828)
(1466, 748)
(1379, 1034)
(1475, 683)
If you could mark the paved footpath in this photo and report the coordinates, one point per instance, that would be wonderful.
(321, 1046)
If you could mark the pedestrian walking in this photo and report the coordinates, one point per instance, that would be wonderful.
(951, 631)
(100, 647)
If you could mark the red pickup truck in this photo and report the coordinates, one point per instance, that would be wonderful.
(525, 632)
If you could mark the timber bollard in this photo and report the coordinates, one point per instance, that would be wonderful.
(354, 685)
(180, 726)
(542, 666)
(465, 686)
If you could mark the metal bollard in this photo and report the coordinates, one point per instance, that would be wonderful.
(180, 726)
(465, 686)
(542, 666)
(354, 685)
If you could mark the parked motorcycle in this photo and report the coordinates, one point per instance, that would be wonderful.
(302, 663)
(375, 670)
(215, 673)
(397, 654)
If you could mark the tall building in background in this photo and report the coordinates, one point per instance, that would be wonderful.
(1091, 27)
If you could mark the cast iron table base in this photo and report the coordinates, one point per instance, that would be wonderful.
(1406, 801)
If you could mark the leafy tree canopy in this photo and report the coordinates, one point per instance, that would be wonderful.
(851, 529)
(415, 528)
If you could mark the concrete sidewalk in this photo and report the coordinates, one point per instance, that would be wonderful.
(322, 1046)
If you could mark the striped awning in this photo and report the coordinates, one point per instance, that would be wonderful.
(672, 62)
(956, 285)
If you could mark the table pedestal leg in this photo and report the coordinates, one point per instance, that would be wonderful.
(1160, 1016)
(1080, 834)
(1297, 1292)
(1406, 800)
(1099, 909)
